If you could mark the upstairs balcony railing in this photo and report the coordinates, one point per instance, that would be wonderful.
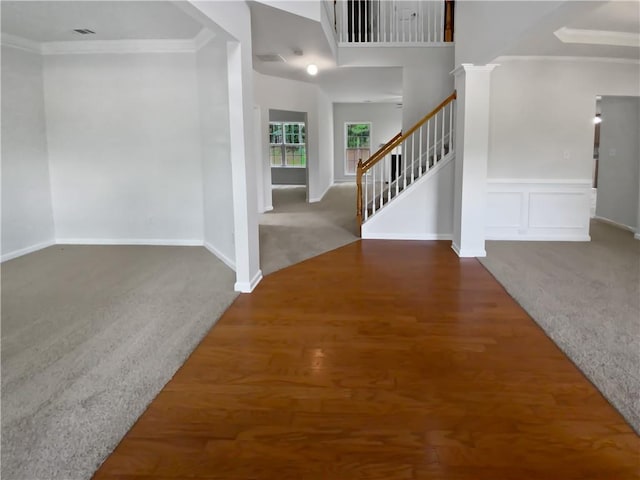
(393, 22)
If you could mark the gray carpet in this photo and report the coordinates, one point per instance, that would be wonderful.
(90, 334)
(586, 296)
(296, 230)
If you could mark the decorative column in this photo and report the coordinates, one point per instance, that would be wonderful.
(473, 84)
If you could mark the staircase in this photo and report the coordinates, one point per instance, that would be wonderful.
(404, 160)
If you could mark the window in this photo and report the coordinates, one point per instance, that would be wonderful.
(358, 145)
(287, 146)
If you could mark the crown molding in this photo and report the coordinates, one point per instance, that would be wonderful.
(110, 46)
(598, 37)
(117, 46)
(14, 41)
(551, 58)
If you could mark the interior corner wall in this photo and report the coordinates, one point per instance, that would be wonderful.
(123, 134)
(27, 215)
(386, 122)
(217, 189)
(619, 163)
(275, 93)
(424, 88)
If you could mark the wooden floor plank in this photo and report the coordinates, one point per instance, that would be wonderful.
(379, 360)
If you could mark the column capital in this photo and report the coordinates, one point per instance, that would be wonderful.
(470, 67)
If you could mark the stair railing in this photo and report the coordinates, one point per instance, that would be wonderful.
(404, 159)
(393, 21)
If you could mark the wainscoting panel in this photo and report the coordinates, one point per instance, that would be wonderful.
(538, 209)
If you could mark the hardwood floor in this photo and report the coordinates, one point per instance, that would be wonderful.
(379, 360)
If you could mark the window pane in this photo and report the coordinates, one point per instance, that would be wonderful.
(275, 133)
(358, 145)
(275, 153)
(295, 156)
(292, 133)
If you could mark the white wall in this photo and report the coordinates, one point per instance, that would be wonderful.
(124, 147)
(424, 211)
(274, 93)
(27, 216)
(217, 190)
(541, 144)
(424, 88)
(386, 122)
(619, 164)
(542, 115)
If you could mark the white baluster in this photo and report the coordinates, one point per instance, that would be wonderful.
(428, 142)
(397, 179)
(365, 214)
(450, 124)
(381, 164)
(435, 22)
(388, 172)
(366, 22)
(442, 134)
(420, 151)
(413, 154)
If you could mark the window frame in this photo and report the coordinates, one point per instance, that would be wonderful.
(346, 132)
(301, 134)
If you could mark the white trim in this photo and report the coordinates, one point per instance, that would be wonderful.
(14, 41)
(470, 67)
(130, 241)
(247, 287)
(27, 250)
(221, 256)
(637, 236)
(268, 208)
(318, 199)
(598, 37)
(194, 44)
(615, 224)
(546, 181)
(396, 44)
(468, 253)
(117, 46)
(538, 58)
(406, 236)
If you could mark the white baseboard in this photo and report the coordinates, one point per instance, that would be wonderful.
(467, 253)
(26, 250)
(406, 236)
(268, 209)
(247, 287)
(130, 241)
(637, 236)
(614, 223)
(225, 259)
(317, 199)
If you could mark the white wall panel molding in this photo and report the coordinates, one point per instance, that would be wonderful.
(538, 209)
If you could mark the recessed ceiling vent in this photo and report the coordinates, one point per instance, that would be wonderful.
(271, 57)
(84, 31)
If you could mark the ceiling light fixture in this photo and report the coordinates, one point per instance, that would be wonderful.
(597, 119)
(312, 69)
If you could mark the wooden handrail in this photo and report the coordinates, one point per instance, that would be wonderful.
(380, 154)
(396, 136)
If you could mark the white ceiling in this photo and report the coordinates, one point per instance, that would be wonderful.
(599, 16)
(54, 21)
(618, 16)
(362, 84)
(275, 31)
